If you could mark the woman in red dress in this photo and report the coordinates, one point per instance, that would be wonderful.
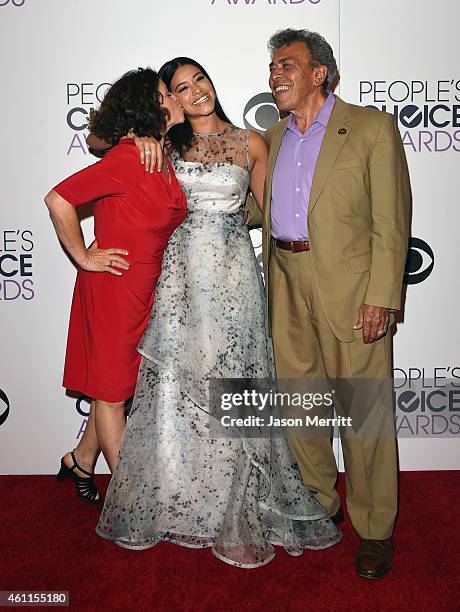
(137, 211)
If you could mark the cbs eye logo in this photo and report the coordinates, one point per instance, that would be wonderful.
(12, 2)
(4, 407)
(260, 113)
(419, 262)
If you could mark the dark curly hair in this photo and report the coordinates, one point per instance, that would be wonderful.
(180, 136)
(132, 103)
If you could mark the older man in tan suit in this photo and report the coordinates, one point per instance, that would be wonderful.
(335, 237)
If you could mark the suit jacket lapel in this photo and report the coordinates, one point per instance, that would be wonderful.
(337, 132)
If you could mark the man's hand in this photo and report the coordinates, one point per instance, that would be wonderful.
(373, 320)
(151, 153)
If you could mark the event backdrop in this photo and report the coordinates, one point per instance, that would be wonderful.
(58, 57)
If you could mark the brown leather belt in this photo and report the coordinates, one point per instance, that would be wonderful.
(296, 246)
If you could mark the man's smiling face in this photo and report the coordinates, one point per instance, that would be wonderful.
(293, 76)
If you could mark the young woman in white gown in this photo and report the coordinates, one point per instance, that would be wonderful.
(176, 479)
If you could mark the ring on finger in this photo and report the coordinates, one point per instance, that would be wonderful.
(147, 152)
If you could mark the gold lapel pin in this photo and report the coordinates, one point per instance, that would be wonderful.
(342, 131)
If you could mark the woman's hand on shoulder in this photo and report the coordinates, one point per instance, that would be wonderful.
(150, 151)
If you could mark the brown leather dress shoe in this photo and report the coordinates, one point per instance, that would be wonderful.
(374, 558)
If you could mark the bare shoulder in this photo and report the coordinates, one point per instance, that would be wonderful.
(257, 144)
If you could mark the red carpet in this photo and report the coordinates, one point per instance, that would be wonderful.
(48, 543)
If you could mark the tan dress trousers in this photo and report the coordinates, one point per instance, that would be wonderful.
(305, 347)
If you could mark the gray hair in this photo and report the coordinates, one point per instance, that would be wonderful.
(320, 50)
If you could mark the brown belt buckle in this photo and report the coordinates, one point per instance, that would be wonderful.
(292, 246)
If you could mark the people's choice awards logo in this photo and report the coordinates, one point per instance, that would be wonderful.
(427, 112)
(4, 407)
(16, 265)
(427, 402)
(419, 262)
(82, 98)
(260, 113)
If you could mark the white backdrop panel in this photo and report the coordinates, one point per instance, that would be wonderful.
(57, 54)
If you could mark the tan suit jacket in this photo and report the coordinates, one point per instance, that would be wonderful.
(358, 215)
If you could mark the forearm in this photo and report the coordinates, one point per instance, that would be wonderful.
(387, 270)
(67, 226)
(257, 190)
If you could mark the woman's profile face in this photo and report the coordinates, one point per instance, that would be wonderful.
(194, 91)
(168, 101)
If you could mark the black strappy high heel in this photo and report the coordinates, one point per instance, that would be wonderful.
(86, 489)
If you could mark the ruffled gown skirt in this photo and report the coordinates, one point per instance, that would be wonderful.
(180, 478)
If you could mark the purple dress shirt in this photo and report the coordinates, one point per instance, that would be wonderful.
(293, 175)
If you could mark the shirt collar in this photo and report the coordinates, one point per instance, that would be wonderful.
(322, 117)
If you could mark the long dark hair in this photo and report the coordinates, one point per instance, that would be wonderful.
(181, 135)
(133, 102)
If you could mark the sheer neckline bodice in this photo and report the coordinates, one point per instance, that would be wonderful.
(229, 146)
(219, 133)
(213, 171)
